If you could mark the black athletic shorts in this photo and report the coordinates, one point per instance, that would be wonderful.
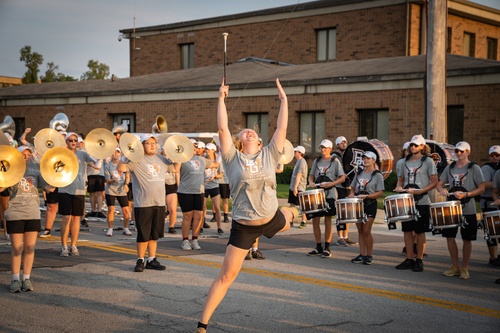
(95, 183)
(170, 189)
(70, 204)
(150, 223)
(423, 224)
(52, 197)
(130, 195)
(122, 200)
(5, 193)
(213, 192)
(469, 232)
(292, 198)
(225, 192)
(22, 226)
(190, 202)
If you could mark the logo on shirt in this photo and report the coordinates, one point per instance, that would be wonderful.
(195, 164)
(153, 169)
(253, 166)
(25, 184)
(458, 179)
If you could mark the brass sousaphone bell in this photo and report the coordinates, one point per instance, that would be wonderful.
(12, 166)
(160, 125)
(59, 166)
(178, 148)
(4, 140)
(131, 147)
(48, 138)
(100, 143)
(287, 155)
(8, 126)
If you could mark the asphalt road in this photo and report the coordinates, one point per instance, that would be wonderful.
(287, 292)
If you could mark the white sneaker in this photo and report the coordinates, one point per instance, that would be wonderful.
(127, 232)
(6, 236)
(109, 233)
(186, 245)
(74, 251)
(64, 252)
(195, 245)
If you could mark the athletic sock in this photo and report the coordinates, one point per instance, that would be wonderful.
(200, 325)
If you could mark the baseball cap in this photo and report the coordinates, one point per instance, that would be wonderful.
(63, 133)
(23, 148)
(340, 139)
(118, 149)
(146, 137)
(68, 135)
(200, 144)
(80, 139)
(370, 154)
(211, 146)
(300, 149)
(494, 149)
(463, 146)
(418, 139)
(193, 141)
(326, 143)
(406, 145)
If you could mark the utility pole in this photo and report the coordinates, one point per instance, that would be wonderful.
(436, 126)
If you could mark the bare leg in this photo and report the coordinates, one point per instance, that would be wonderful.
(453, 249)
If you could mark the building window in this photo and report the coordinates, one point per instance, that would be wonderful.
(311, 130)
(260, 123)
(455, 115)
(448, 40)
(187, 56)
(492, 47)
(469, 45)
(374, 124)
(326, 44)
(128, 118)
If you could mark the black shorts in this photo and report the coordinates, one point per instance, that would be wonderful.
(225, 192)
(22, 226)
(52, 197)
(122, 200)
(150, 223)
(130, 195)
(370, 207)
(70, 204)
(292, 198)
(212, 192)
(170, 189)
(492, 241)
(331, 211)
(243, 236)
(5, 193)
(190, 202)
(95, 183)
(423, 224)
(469, 232)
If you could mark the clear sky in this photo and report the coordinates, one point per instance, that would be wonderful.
(71, 32)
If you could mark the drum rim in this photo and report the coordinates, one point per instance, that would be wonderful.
(316, 190)
(492, 213)
(349, 200)
(401, 195)
(444, 204)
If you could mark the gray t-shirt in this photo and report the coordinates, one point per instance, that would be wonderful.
(170, 175)
(77, 187)
(115, 189)
(418, 173)
(466, 178)
(192, 175)
(209, 173)
(252, 179)
(368, 183)
(24, 202)
(488, 174)
(300, 167)
(223, 179)
(331, 169)
(148, 178)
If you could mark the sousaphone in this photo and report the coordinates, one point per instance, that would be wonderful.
(4, 141)
(100, 143)
(287, 155)
(59, 166)
(48, 138)
(131, 147)
(178, 148)
(12, 166)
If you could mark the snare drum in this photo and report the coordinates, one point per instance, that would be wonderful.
(446, 214)
(350, 210)
(312, 201)
(491, 224)
(400, 207)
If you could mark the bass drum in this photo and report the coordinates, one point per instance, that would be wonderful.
(442, 154)
(352, 156)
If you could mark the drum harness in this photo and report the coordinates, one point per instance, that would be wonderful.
(457, 185)
(323, 178)
(411, 176)
(362, 188)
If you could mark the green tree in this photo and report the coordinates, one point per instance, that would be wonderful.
(51, 74)
(96, 71)
(32, 61)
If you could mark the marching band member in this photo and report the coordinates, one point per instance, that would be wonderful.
(298, 181)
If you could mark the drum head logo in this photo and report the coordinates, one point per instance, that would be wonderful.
(436, 158)
(357, 157)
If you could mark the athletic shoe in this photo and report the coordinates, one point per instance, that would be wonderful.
(258, 255)
(226, 220)
(109, 233)
(186, 245)
(100, 215)
(6, 237)
(155, 264)
(406, 264)
(104, 207)
(27, 285)
(64, 252)
(220, 231)
(315, 252)
(367, 260)
(464, 274)
(139, 266)
(91, 214)
(15, 286)
(419, 266)
(74, 251)
(341, 242)
(206, 225)
(350, 242)
(172, 230)
(291, 223)
(452, 271)
(326, 254)
(213, 219)
(131, 222)
(302, 225)
(195, 245)
(494, 262)
(201, 231)
(127, 232)
(44, 234)
(249, 255)
(359, 259)
(84, 223)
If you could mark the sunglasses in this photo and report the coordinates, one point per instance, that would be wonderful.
(413, 145)
(494, 155)
(72, 140)
(459, 151)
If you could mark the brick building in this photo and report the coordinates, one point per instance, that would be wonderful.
(373, 85)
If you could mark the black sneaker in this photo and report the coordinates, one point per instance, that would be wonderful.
(84, 223)
(358, 260)
(226, 220)
(326, 253)
(139, 266)
(258, 255)
(419, 266)
(206, 225)
(100, 215)
(494, 262)
(91, 214)
(249, 255)
(315, 252)
(155, 264)
(172, 231)
(213, 219)
(220, 231)
(407, 264)
(367, 260)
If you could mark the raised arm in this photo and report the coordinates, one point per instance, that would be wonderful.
(222, 122)
(279, 136)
